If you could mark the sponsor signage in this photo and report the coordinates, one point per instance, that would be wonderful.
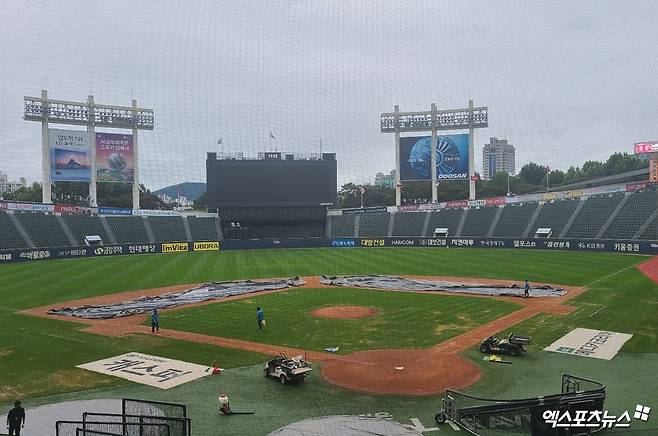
(451, 157)
(3, 205)
(409, 207)
(142, 248)
(151, 212)
(206, 246)
(65, 208)
(343, 242)
(70, 155)
(372, 242)
(31, 207)
(646, 147)
(175, 247)
(403, 242)
(108, 250)
(159, 372)
(72, 252)
(114, 211)
(598, 344)
(114, 158)
(366, 210)
(456, 204)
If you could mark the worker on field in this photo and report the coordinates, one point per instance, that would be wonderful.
(16, 419)
(260, 316)
(155, 321)
(526, 289)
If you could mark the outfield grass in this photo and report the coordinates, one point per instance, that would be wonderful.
(34, 364)
(403, 319)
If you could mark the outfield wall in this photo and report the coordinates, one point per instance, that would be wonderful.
(601, 245)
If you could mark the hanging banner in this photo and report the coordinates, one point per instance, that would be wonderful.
(70, 155)
(451, 157)
(114, 158)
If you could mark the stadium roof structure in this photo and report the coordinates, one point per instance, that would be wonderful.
(630, 176)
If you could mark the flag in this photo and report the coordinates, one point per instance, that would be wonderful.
(219, 141)
(272, 135)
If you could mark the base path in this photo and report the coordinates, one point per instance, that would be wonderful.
(386, 371)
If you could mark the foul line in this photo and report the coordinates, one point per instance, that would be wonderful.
(609, 275)
(64, 337)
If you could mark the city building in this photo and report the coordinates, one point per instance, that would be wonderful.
(497, 156)
(7, 186)
(385, 180)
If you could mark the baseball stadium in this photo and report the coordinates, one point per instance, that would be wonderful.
(291, 296)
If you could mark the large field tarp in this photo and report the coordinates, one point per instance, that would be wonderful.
(406, 284)
(209, 291)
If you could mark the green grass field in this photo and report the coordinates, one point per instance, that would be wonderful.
(38, 356)
(404, 320)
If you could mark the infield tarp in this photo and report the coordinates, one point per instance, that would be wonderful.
(345, 425)
(405, 284)
(209, 291)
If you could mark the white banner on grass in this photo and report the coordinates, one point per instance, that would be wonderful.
(159, 372)
(599, 344)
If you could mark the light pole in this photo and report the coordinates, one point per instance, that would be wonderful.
(508, 191)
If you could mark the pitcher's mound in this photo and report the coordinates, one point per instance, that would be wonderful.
(344, 312)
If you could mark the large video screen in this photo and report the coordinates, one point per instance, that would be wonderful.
(451, 157)
(270, 183)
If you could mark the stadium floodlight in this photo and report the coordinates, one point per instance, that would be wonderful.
(434, 120)
(92, 115)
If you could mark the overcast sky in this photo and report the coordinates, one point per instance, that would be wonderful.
(564, 81)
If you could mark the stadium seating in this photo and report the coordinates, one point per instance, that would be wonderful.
(409, 224)
(373, 225)
(478, 221)
(85, 225)
(342, 226)
(651, 232)
(633, 214)
(203, 229)
(9, 235)
(445, 218)
(167, 228)
(44, 230)
(128, 229)
(554, 215)
(594, 213)
(514, 220)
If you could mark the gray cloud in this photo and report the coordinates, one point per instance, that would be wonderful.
(564, 81)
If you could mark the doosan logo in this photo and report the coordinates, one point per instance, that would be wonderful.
(403, 242)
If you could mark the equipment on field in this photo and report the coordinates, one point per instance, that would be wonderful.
(512, 346)
(225, 408)
(286, 369)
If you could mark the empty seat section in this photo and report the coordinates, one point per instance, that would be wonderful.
(478, 221)
(445, 218)
(651, 232)
(514, 219)
(85, 225)
(342, 226)
(373, 225)
(128, 229)
(44, 230)
(409, 224)
(554, 216)
(167, 228)
(9, 235)
(595, 212)
(203, 229)
(633, 214)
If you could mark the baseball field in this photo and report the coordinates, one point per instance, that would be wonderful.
(431, 333)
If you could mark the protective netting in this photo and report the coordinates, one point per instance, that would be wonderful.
(72, 428)
(345, 425)
(83, 432)
(176, 426)
(492, 417)
(132, 406)
(209, 291)
(406, 284)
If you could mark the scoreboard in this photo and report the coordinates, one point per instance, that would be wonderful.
(275, 180)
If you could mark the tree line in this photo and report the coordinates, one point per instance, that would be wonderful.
(532, 177)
